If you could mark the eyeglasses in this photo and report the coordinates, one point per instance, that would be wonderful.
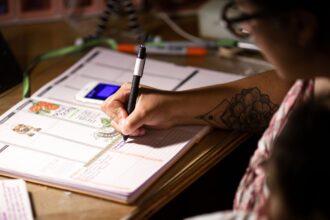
(232, 18)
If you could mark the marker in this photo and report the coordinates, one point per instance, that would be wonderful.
(199, 44)
(137, 74)
(165, 49)
(210, 44)
(247, 46)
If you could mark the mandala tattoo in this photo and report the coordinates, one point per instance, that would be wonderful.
(249, 110)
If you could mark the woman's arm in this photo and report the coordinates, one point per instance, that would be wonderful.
(246, 104)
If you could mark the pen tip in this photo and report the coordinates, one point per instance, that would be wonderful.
(125, 138)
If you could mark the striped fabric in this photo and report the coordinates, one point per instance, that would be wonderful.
(252, 192)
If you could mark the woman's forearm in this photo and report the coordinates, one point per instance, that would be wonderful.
(247, 104)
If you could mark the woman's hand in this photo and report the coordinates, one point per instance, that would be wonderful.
(154, 108)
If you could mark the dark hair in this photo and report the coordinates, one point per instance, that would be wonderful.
(317, 7)
(301, 157)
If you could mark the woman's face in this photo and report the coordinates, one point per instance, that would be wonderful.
(278, 42)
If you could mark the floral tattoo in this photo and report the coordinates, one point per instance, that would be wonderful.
(249, 110)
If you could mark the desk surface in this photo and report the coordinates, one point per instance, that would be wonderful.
(29, 40)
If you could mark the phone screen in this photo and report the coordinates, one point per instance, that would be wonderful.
(102, 91)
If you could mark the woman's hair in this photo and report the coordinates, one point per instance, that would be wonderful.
(317, 7)
(301, 157)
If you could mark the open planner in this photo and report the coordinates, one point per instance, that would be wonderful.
(53, 139)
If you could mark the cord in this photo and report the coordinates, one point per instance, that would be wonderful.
(58, 53)
(177, 29)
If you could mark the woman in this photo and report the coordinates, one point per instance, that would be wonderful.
(293, 35)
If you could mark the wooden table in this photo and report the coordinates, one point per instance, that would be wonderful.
(29, 40)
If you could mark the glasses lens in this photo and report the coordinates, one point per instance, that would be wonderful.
(231, 14)
(238, 29)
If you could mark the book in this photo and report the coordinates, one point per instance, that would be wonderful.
(53, 139)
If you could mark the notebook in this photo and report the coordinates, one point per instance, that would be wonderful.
(53, 139)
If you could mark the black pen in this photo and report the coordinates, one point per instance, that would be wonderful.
(137, 74)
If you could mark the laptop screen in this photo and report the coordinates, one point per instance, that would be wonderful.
(10, 71)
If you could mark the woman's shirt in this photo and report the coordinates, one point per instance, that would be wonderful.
(252, 193)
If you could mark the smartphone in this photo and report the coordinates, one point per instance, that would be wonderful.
(96, 92)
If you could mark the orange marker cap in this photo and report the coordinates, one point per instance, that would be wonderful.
(196, 51)
(127, 48)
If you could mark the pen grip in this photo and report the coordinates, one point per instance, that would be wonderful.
(133, 94)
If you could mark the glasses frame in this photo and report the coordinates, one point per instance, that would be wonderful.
(228, 22)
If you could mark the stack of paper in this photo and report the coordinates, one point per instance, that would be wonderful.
(14, 200)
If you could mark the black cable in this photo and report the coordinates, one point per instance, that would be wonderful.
(103, 20)
(112, 6)
(133, 21)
